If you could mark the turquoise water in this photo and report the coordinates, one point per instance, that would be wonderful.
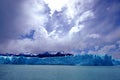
(54, 72)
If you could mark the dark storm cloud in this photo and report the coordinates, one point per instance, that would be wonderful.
(9, 11)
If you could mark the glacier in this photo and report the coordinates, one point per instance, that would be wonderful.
(83, 60)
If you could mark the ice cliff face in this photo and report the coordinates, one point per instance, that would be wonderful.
(87, 59)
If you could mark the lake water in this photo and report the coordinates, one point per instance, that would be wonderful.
(54, 72)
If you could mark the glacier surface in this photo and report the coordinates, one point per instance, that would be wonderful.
(86, 60)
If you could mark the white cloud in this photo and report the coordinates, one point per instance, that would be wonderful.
(35, 16)
(76, 7)
(106, 48)
(56, 4)
(96, 47)
(54, 35)
(76, 29)
(93, 36)
(86, 15)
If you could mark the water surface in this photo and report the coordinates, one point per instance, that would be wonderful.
(54, 72)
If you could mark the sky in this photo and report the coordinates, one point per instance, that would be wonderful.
(76, 26)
